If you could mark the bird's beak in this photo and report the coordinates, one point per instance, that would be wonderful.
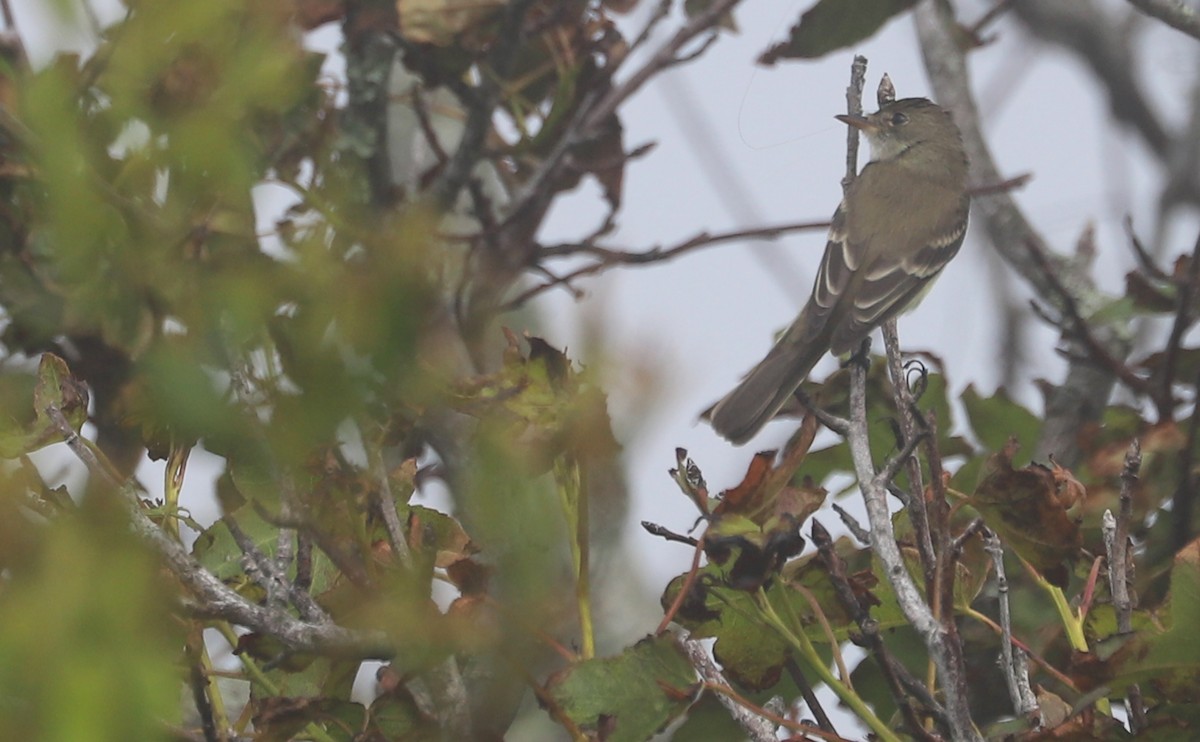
(858, 122)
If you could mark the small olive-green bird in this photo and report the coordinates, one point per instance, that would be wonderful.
(902, 219)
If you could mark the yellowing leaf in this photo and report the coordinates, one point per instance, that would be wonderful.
(439, 21)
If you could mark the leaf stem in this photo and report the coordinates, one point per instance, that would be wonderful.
(803, 647)
(575, 510)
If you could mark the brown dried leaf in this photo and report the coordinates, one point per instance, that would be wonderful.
(1146, 295)
(1028, 509)
(313, 13)
(604, 157)
(748, 495)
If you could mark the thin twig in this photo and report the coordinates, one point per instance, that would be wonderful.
(871, 638)
(663, 532)
(1040, 661)
(1074, 324)
(213, 598)
(1012, 664)
(757, 727)
(609, 257)
(946, 654)
(482, 104)
(994, 12)
(1183, 320)
(1145, 260)
(806, 692)
(595, 110)
(1004, 186)
(792, 726)
(902, 396)
(1183, 500)
(661, 11)
(1120, 566)
(684, 589)
(856, 529)
(858, 78)
(837, 424)
(10, 22)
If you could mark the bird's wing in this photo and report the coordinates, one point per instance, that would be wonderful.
(894, 269)
(834, 275)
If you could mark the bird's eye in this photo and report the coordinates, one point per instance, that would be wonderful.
(899, 119)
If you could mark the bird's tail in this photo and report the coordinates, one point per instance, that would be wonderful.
(743, 412)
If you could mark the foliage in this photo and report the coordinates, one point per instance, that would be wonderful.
(347, 358)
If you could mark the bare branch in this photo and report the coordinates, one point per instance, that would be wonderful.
(858, 79)
(946, 654)
(1105, 46)
(1012, 664)
(482, 105)
(596, 110)
(1011, 184)
(1175, 13)
(609, 257)
(806, 692)
(215, 599)
(1075, 327)
(871, 639)
(1080, 398)
(758, 728)
(837, 424)
(1120, 566)
(903, 399)
(1183, 501)
(1183, 320)
(852, 524)
(661, 11)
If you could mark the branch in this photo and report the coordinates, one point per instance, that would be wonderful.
(1012, 664)
(946, 654)
(828, 419)
(858, 78)
(806, 692)
(1183, 320)
(216, 600)
(918, 515)
(891, 670)
(608, 257)
(1120, 564)
(1183, 500)
(482, 105)
(1075, 326)
(596, 109)
(755, 726)
(1082, 395)
(661, 11)
(1175, 13)
(1103, 44)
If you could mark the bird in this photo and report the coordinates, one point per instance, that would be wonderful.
(898, 225)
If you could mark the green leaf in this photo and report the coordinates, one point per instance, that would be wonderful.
(396, 716)
(636, 693)
(832, 24)
(709, 721)
(996, 418)
(218, 552)
(1170, 662)
(89, 647)
(26, 424)
(281, 719)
